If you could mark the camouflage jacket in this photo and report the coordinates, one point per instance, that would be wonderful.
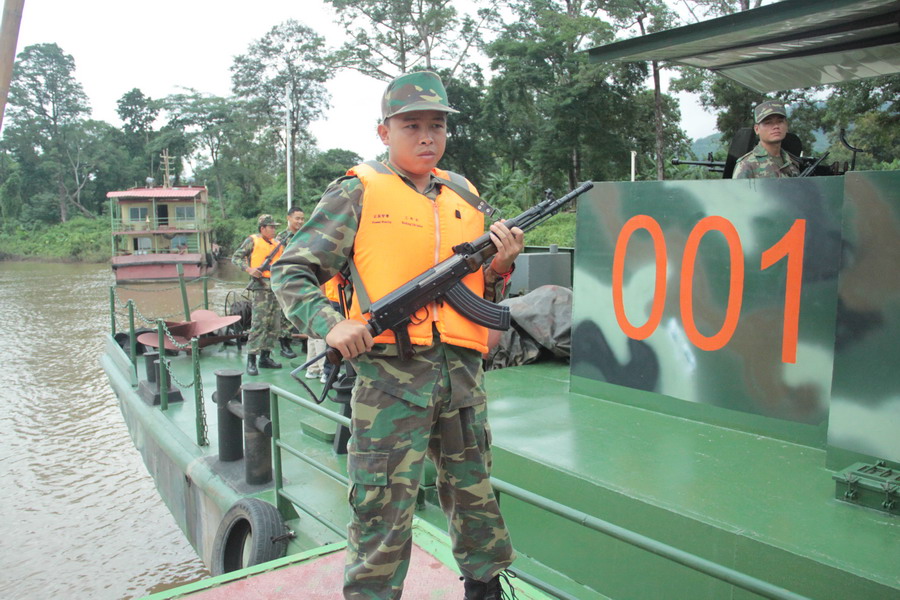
(757, 164)
(285, 236)
(322, 248)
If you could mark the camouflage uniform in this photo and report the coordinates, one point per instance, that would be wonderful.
(265, 326)
(401, 410)
(758, 163)
(287, 328)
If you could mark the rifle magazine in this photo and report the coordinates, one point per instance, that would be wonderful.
(477, 309)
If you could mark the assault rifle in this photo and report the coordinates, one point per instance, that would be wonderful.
(267, 264)
(444, 282)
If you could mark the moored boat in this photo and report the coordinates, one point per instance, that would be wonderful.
(155, 229)
(672, 462)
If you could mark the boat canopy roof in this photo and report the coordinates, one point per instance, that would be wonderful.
(786, 45)
(173, 194)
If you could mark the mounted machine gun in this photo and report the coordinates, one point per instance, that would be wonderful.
(715, 166)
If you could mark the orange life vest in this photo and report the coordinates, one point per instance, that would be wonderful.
(402, 233)
(330, 288)
(261, 251)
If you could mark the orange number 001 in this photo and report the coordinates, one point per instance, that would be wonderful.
(790, 246)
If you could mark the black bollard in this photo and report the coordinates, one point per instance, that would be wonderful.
(160, 385)
(257, 434)
(228, 387)
(151, 366)
(149, 389)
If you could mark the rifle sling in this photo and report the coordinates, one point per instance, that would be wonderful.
(477, 202)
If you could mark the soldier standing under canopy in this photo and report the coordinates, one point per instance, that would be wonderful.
(398, 219)
(265, 326)
(768, 158)
(295, 218)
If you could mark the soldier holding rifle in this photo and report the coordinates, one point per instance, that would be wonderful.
(394, 220)
(255, 256)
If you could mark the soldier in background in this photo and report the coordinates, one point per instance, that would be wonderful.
(295, 219)
(768, 158)
(251, 257)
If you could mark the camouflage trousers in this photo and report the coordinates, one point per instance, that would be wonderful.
(391, 438)
(265, 326)
(287, 328)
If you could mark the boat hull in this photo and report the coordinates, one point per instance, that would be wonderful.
(160, 267)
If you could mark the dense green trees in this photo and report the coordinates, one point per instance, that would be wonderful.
(534, 112)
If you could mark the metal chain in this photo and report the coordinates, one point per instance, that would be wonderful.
(202, 410)
(197, 380)
(177, 381)
(165, 289)
(175, 343)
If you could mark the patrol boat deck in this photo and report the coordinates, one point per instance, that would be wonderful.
(649, 467)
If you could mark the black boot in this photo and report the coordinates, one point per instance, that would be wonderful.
(266, 362)
(251, 365)
(286, 350)
(490, 590)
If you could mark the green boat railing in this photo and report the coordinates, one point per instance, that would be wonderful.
(283, 496)
(165, 371)
(687, 559)
(285, 501)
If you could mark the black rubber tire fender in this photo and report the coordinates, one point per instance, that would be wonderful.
(251, 533)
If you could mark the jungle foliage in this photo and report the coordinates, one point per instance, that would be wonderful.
(535, 114)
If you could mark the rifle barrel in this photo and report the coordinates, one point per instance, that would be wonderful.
(700, 163)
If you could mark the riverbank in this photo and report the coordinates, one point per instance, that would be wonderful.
(83, 240)
(78, 240)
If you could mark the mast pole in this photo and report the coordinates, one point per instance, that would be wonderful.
(288, 144)
(9, 35)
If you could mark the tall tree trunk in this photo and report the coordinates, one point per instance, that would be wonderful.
(63, 205)
(575, 171)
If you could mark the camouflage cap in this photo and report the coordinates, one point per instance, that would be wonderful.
(421, 90)
(769, 107)
(264, 220)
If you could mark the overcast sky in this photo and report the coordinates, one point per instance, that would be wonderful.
(163, 45)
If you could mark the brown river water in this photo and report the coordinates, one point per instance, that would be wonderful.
(80, 515)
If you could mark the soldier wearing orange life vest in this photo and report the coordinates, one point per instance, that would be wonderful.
(390, 219)
(253, 256)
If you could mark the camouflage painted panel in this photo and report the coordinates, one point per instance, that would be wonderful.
(720, 293)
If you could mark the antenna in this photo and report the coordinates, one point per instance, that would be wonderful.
(167, 183)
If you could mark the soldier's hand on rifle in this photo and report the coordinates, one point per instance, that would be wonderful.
(509, 243)
(254, 272)
(350, 337)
